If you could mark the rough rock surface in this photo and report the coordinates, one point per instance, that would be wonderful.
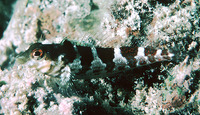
(163, 88)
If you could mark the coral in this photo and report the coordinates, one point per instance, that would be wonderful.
(160, 88)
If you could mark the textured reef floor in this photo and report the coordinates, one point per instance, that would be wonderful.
(160, 88)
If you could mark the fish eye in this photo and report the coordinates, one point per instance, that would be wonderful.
(37, 54)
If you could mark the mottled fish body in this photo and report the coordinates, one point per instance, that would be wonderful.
(83, 62)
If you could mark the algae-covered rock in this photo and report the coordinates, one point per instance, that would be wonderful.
(161, 88)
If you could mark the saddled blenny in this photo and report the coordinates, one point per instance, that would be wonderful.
(83, 62)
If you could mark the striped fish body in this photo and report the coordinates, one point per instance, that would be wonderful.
(89, 62)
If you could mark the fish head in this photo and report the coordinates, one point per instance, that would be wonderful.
(34, 52)
(43, 57)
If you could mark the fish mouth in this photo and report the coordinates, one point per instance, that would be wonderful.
(43, 66)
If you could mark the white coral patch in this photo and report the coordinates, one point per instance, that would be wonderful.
(192, 45)
(65, 106)
(180, 72)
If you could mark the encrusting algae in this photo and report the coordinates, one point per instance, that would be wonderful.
(56, 56)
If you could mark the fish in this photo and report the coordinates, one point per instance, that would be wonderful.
(88, 62)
